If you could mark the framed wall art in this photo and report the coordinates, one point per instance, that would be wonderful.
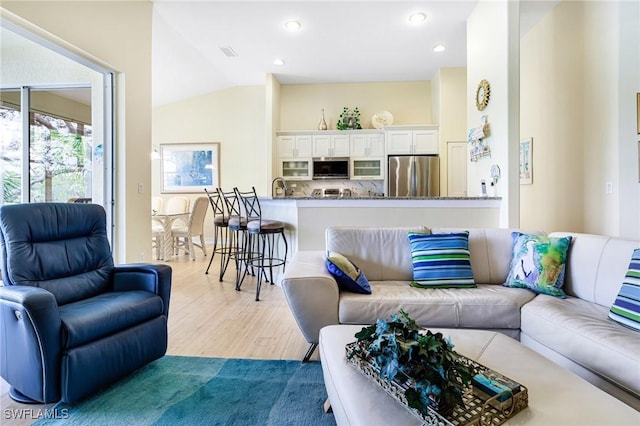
(638, 110)
(526, 161)
(189, 167)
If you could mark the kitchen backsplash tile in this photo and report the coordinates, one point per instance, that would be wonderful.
(359, 188)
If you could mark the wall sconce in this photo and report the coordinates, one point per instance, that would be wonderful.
(155, 155)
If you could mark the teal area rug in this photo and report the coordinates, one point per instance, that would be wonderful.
(206, 391)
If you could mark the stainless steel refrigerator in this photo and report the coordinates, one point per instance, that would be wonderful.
(414, 176)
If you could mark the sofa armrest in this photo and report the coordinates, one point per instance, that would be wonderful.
(31, 325)
(155, 278)
(311, 292)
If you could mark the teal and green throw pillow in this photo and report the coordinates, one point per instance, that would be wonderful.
(441, 260)
(348, 276)
(538, 263)
(626, 307)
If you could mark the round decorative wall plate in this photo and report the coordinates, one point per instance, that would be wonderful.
(381, 119)
(482, 95)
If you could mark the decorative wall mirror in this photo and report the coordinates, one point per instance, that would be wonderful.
(482, 95)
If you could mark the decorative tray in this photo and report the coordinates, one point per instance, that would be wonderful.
(480, 409)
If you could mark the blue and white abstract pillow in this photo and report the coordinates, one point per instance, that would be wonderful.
(538, 263)
(441, 260)
(626, 307)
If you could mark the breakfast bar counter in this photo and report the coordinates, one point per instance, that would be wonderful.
(306, 218)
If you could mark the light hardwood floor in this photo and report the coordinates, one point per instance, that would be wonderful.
(210, 318)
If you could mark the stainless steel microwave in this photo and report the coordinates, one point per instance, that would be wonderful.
(331, 168)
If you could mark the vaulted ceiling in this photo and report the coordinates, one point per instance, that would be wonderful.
(338, 42)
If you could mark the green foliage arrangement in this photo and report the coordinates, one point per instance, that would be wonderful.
(426, 360)
(348, 119)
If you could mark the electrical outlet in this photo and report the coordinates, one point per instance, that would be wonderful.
(140, 188)
(141, 256)
(608, 187)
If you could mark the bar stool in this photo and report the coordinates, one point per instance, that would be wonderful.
(261, 245)
(237, 227)
(220, 230)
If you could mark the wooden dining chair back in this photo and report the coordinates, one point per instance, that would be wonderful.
(183, 236)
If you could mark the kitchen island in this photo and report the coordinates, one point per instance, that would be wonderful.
(306, 218)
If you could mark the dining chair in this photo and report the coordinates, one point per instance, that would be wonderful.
(183, 235)
(175, 205)
(157, 232)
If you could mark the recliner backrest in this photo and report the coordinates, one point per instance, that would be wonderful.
(60, 247)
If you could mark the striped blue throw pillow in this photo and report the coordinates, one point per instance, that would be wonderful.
(626, 307)
(441, 260)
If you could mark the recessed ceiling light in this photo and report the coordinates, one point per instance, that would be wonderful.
(293, 25)
(278, 62)
(417, 17)
(439, 48)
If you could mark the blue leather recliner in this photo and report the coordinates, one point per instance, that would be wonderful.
(70, 321)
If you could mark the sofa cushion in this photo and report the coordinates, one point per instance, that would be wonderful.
(381, 253)
(580, 331)
(348, 276)
(626, 307)
(106, 314)
(538, 263)
(441, 260)
(487, 306)
(490, 251)
(596, 266)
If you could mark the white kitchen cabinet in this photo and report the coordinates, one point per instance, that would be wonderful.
(367, 145)
(296, 168)
(331, 145)
(295, 146)
(367, 168)
(412, 141)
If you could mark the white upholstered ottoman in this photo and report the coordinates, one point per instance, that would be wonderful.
(556, 396)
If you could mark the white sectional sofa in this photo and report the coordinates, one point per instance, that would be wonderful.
(574, 332)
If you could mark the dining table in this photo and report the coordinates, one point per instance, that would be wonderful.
(167, 220)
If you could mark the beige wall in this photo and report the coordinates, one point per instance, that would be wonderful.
(552, 100)
(301, 104)
(234, 117)
(118, 35)
(578, 84)
(449, 107)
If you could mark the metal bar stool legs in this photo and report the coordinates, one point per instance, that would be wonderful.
(221, 243)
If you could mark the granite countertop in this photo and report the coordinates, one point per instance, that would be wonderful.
(368, 197)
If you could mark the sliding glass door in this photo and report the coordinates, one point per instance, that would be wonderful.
(60, 150)
(56, 124)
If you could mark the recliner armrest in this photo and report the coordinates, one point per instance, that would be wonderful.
(31, 323)
(311, 292)
(155, 278)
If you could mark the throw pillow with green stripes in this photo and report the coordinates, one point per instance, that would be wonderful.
(626, 307)
(441, 260)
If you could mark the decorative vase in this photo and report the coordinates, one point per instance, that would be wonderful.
(322, 125)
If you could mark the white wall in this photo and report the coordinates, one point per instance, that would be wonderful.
(492, 54)
(118, 36)
(301, 104)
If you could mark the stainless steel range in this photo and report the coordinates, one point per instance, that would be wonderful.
(331, 192)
